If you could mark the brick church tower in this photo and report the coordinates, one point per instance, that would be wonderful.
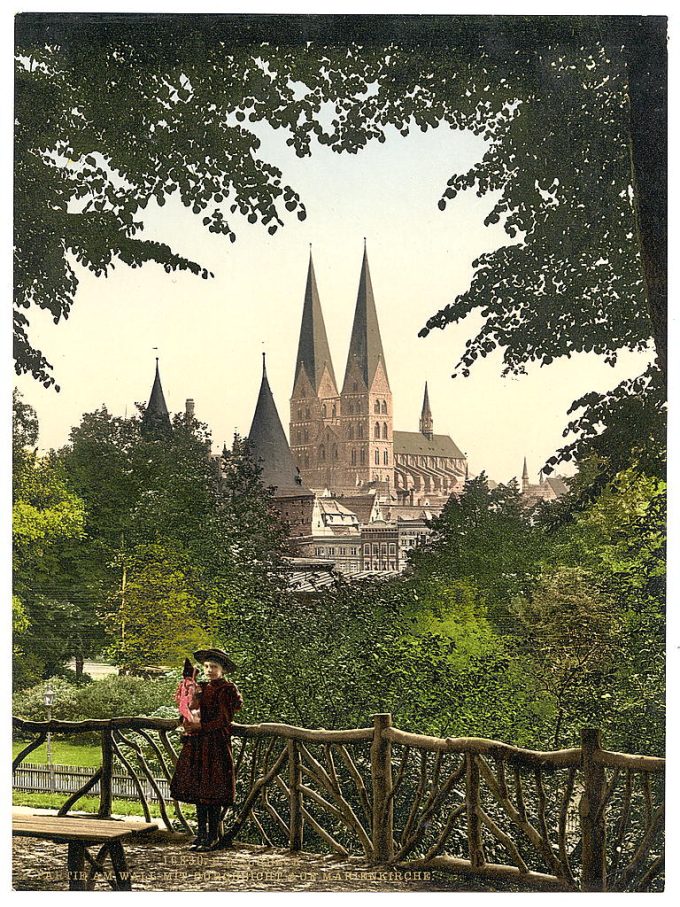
(366, 398)
(315, 439)
(342, 441)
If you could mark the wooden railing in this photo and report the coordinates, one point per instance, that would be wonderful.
(576, 819)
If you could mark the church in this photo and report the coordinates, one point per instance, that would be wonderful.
(342, 437)
(354, 492)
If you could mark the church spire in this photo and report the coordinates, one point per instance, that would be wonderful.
(426, 423)
(156, 418)
(365, 346)
(269, 446)
(313, 350)
(525, 476)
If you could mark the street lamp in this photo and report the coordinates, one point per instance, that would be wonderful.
(48, 699)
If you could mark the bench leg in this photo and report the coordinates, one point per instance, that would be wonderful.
(120, 867)
(77, 880)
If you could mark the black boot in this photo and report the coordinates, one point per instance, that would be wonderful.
(202, 837)
(214, 817)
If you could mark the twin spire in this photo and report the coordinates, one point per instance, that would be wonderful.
(313, 351)
(365, 347)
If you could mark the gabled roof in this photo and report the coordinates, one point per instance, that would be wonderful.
(365, 346)
(557, 484)
(313, 350)
(269, 446)
(414, 442)
(156, 418)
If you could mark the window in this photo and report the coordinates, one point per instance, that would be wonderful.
(383, 547)
(300, 414)
(393, 549)
(355, 386)
(377, 458)
(298, 436)
(384, 429)
(362, 457)
(384, 406)
(354, 458)
(334, 411)
(307, 413)
(350, 407)
(323, 410)
(306, 458)
(376, 550)
(367, 549)
(305, 435)
(322, 452)
(385, 457)
(360, 431)
(376, 406)
(376, 430)
(335, 452)
(350, 432)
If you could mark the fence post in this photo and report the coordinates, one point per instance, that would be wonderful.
(383, 803)
(592, 815)
(294, 782)
(472, 808)
(105, 784)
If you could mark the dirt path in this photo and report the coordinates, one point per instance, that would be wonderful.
(167, 865)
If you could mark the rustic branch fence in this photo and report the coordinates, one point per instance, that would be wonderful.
(576, 819)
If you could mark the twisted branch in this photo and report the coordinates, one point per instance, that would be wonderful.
(522, 823)
(133, 775)
(136, 748)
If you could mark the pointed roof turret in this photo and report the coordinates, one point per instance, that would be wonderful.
(426, 422)
(313, 350)
(156, 418)
(365, 346)
(525, 476)
(269, 445)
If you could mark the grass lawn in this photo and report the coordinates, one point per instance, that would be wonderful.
(63, 753)
(91, 804)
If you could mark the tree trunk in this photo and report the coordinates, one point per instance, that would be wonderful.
(647, 61)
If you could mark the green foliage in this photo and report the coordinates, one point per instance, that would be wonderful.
(125, 695)
(105, 698)
(484, 537)
(29, 703)
(567, 629)
(159, 618)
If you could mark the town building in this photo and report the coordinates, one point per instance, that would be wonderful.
(549, 488)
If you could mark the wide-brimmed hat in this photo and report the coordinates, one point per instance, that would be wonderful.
(217, 655)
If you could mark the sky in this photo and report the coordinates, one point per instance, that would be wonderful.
(210, 334)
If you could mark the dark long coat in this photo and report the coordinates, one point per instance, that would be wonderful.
(205, 768)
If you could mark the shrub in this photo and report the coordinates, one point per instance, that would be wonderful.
(125, 695)
(29, 703)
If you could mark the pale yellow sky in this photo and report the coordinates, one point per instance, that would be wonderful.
(210, 333)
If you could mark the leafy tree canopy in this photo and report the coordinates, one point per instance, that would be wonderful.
(113, 113)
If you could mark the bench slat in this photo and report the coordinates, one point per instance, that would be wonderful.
(57, 828)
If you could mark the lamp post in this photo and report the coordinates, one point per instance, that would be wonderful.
(48, 700)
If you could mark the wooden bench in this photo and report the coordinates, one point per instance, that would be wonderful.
(80, 833)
